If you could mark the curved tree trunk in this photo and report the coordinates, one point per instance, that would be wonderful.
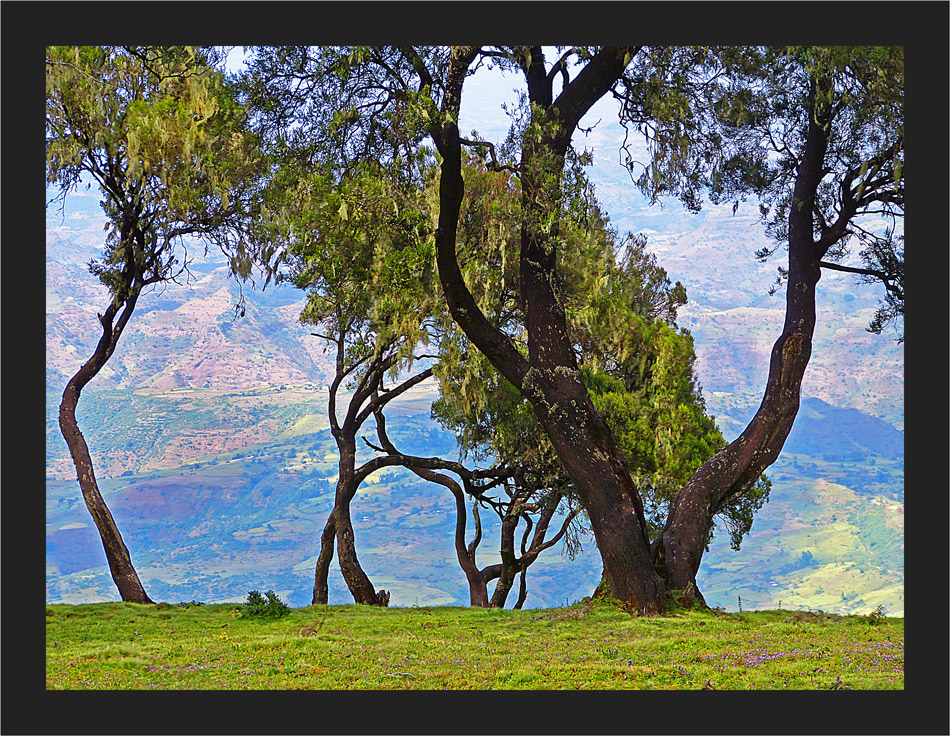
(339, 525)
(594, 463)
(522, 590)
(321, 585)
(117, 554)
(477, 584)
(509, 561)
(678, 551)
(357, 581)
(361, 587)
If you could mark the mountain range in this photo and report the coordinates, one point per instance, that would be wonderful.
(209, 434)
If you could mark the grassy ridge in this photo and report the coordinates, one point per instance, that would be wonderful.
(586, 646)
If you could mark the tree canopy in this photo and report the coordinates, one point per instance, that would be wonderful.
(556, 341)
(162, 137)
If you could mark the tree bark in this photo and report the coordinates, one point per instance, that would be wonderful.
(366, 401)
(582, 439)
(357, 581)
(522, 590)
(339, 531)
(361, 587)
(679, 549)
(509, 560)
(477, 584)
(321, 586)
(117, 554)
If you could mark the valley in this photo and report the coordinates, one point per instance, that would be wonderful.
(233, 494)
(209, 434)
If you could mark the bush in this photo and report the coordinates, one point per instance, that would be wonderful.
(259, 606)
(876, 617)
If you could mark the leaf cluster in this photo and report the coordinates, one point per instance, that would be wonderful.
(268, 605)
(160, 134)
(361, 248)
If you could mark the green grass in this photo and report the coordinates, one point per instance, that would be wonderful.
(585, 646)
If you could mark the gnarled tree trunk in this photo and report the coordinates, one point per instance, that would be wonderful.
(321, 585)
(477, 583)
(339, 530)
(117, 554)
(361, 587)
(679, 549)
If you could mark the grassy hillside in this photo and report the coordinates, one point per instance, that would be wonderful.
(586, 646)
(816, 545)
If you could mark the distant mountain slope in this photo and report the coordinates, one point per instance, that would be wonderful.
(181, 335)
(219, 492)
(833, 433)
(208, 431)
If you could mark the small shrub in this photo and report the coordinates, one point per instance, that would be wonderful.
(877, 616)
(265, 606)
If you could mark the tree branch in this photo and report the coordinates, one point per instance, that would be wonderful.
(592, 82)
(881, 276)
(462, 305)
(477, 539)
(495, 166)
(412, 56)
(380, 400)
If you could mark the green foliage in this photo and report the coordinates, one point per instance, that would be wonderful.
(636, 364)
(268, 605)
(360, 245)
(160, 134)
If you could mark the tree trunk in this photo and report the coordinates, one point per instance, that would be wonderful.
(522, 590)
(583, 441)
(321, 586)
(509, 560)
(117, 554)
(361, 587)
(477, 585)
(678, 551)
(357, 581)
(549, 379)
(603, 483)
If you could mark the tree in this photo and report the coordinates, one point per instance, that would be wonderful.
(816, 134)
(360, 248)
(636, 365)
(161, 137)
(518, 506)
